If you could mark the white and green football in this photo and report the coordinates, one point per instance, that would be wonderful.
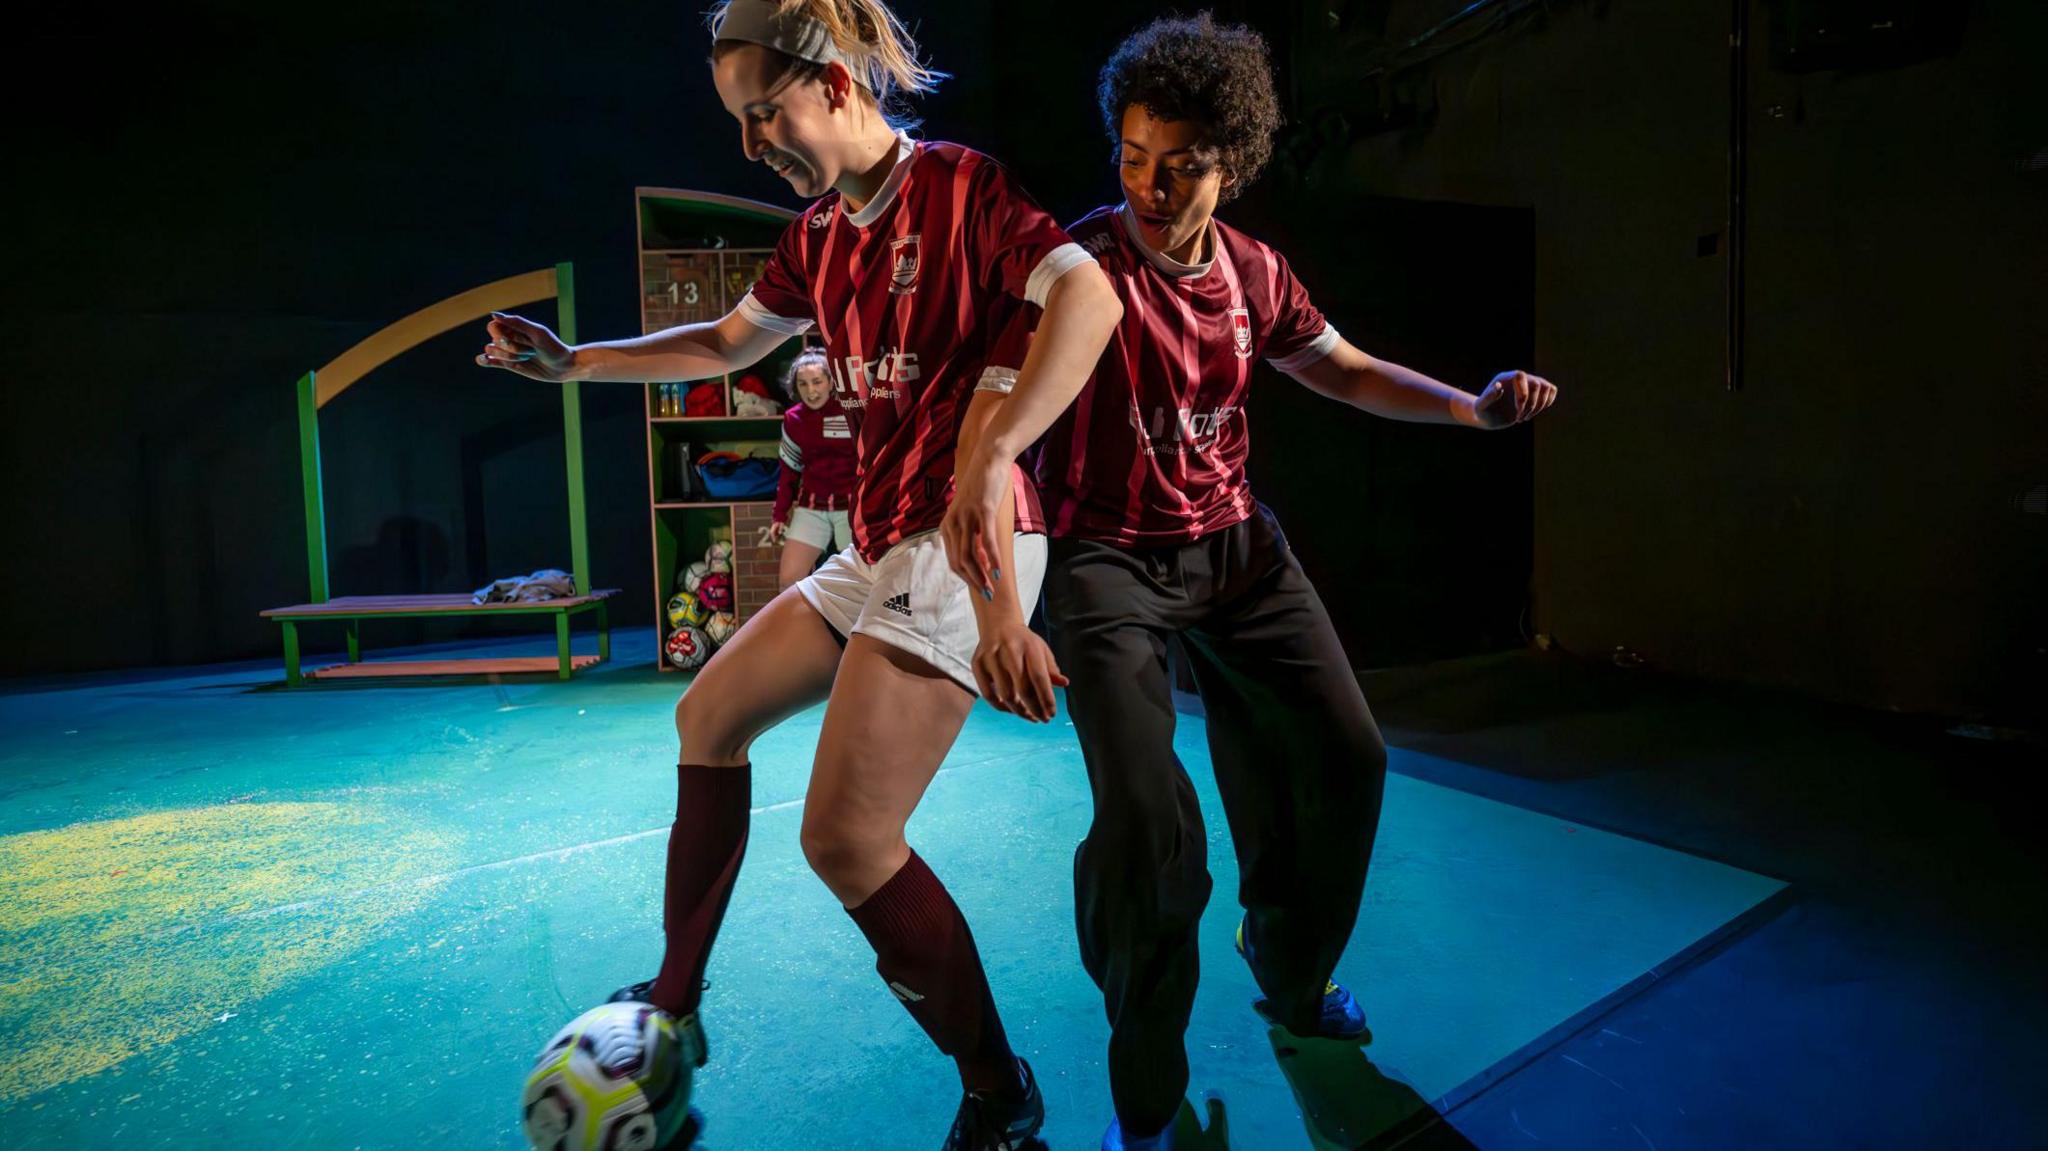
(615, 1079)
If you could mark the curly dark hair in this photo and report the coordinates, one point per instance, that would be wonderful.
(1219, 76)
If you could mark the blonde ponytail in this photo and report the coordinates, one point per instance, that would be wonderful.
(879, 50)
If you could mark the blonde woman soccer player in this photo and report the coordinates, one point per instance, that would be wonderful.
(905, 265)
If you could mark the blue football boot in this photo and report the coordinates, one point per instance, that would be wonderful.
(1114, 1139)
(1342, 1017)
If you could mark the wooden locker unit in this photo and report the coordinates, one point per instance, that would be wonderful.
(699, 253)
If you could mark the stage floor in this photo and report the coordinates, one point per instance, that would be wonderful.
(347, 916)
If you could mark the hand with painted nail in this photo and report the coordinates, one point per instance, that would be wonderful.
(1017, 673)
(973, 521)
(530, 349)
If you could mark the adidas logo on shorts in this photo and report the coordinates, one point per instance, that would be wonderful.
(899, 604)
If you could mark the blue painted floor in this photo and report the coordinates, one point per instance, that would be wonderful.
(236, 916)
(1897, 999)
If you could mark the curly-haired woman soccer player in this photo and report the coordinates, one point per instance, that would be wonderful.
(904, 265)
(1156, 534)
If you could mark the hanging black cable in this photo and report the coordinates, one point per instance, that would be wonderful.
(1738, 184)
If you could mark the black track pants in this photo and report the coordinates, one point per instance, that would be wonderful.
(1298, 760)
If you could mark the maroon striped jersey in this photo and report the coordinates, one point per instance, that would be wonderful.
(1152, 452)
(817, 459)
(909, 295)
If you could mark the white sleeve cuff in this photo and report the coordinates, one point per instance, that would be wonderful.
(998, 380)
(756, 313)
(1321, 346)
(1057, 263)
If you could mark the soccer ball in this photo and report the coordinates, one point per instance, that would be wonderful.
(615, 1079)
(719, 556)
(720, 627)
(688, 647)
(715, 593)
(693, 576)
(686, 609)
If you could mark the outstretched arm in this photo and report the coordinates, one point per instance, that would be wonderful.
(687, 352)
(1387, 389)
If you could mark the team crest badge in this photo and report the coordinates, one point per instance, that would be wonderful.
(903, 275)
(1241, 332)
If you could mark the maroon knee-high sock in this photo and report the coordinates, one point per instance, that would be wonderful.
(705, 846)
(926, 955)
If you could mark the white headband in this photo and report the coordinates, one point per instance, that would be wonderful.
(792, 34)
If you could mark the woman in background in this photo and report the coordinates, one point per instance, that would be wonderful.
(818, 461)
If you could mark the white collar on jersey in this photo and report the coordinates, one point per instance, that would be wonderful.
(1161, 260)
(873, 209)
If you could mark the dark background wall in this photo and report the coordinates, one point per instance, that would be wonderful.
(1867, 518)
(232, 194)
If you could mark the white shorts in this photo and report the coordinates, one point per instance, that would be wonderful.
(826, 531)
(912, 601)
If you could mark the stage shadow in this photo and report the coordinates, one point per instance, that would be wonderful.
(1191, 1133)
(1348, 1104)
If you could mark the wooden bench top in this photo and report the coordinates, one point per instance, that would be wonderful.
(515, 665)
(400, 605)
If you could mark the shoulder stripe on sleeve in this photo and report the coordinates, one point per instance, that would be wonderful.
(1320, 347)
(756, 313)
(1056, 263)
(998, 380)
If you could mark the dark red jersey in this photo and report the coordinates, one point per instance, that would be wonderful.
(909, 295)
(1153, 450)
(818, 463)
